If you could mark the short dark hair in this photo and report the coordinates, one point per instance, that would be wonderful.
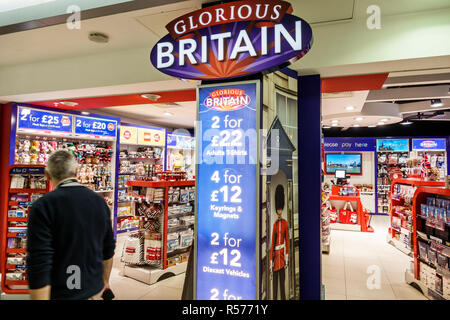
(279, 197)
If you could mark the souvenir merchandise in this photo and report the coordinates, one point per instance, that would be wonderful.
(166, 216)
(24, 188)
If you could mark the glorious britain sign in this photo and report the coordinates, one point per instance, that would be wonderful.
(232, 40)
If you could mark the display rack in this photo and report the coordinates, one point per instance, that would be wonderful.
(92, 139)
(338, 201)
(388, 170)
(401, 212)
(430, 270)
(18, 201)
(173, 227)
(141, 157)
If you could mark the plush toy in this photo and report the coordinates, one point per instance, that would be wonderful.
(53, 146)
(41, 158)
(45, 147)
(16, 158)
(26, 146)
(35, 146)
(33, 158)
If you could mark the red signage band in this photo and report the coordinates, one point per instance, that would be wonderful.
(252, 10)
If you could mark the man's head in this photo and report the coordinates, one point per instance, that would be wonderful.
(279, 200)
(61, 165)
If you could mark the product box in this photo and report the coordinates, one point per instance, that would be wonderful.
(423, 250)
(431, 201)
(432, 256)
(424, 211)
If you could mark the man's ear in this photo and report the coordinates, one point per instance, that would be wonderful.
(47, 174)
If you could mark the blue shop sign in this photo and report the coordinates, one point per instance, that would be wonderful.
(401, 145)
(34, 119)
(349, 144)
(95, 126)
(226, 220)
(429, 144)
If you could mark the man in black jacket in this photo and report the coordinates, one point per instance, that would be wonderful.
(70, 237)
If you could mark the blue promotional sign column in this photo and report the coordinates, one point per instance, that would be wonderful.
(228, 192)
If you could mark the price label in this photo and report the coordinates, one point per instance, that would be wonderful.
(227, 185)
(95, 126)
(34, 119)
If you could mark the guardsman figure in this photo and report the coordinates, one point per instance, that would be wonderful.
(280, 246)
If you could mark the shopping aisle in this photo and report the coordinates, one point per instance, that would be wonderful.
(353, 254)
(126, 288)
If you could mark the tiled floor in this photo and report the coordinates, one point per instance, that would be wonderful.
(125, 288)
(359, 261)
(344, 271)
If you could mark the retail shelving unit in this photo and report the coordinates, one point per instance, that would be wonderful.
(142, 155)
(338, 202)
(173, 256)
(387, 171)
(430, 240)
(402, 218)
(13, 242)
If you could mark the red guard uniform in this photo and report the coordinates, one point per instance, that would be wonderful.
(280, 235)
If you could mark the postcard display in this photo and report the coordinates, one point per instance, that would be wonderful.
(141, 157)
(26, 184)
(92, 140)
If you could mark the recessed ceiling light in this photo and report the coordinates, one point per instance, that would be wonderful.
(334, 125)
(436, 103)
(69, 103)
(326, 127)
(85, 113)
(405, 123)
(349, 108)
(356, 125)
(167, 113)
(384, 120)
(380, 123)
(372, 126)
(334, 121)
(151, 96)
(359, 118)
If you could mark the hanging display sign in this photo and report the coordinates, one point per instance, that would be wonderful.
(429, 144)
(393, 145)
(349, 144)
(180, 141)
(128, 135)
(33, 119)
(226, 227)
(232, 40)
(153, 137)
(95, 127)
(27, 170)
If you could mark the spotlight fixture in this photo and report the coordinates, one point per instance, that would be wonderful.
(326, 127)
(85, 113)
(436, 103)
(356, 125)
(349, 108)
(359, 118)
(372, 126)
(334, 121)
(69, 103)
(167, 113)
(151, 96)
(405, 123)
(384, 120)
(380, 123)
(334, 124)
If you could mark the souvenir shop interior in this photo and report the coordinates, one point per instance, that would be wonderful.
(145, 173)
(385, 194)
